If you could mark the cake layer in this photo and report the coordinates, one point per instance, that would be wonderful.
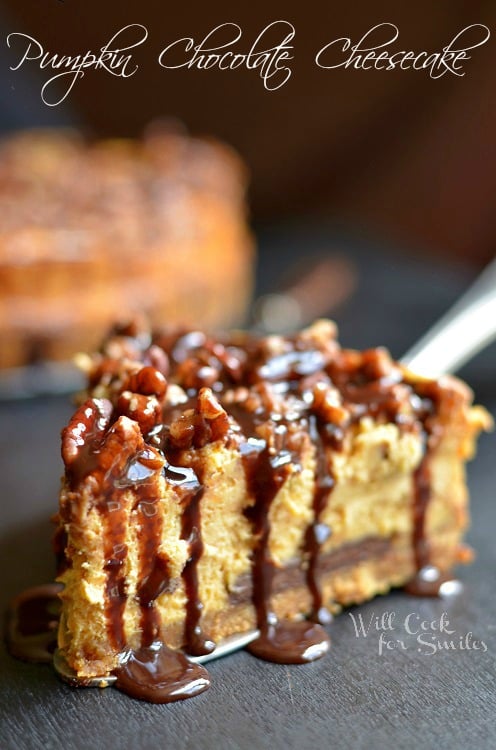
(214, 485)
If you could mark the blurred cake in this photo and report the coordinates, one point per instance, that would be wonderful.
(218, 484)
(89, 230)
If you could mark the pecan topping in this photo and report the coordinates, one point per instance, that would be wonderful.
(88, 425)
(211, 410)
(377, 364)
(327, 405)
(149, 382)
(156, 357)
(145, 410)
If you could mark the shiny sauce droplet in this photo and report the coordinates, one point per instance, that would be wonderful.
(291, 642)
(160, 675)
(317, 533)
(430, 581)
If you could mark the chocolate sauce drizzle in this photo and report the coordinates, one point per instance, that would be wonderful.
(189, 482)
(115, 551)
(428, 579)
(158, 674)
(266, 402)
(154, 578)
(422, 496)
(283, 641)
(317, 533)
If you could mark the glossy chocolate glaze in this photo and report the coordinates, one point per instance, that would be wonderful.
(280, 641)
(291, 642)
(154, 576)
(428, 579)
(272, 399)
(317, 532)
(158, 674)
(195, 642)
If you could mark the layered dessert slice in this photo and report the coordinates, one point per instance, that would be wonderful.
(215, 485)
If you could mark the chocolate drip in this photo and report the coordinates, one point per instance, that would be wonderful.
(138, 473)
(189, 486)
(157, 581)
(158, 674)
(32, 621)
(428, 578)
(115, 455)
(287, 642)
(154, 571)
(318, 533)
(82, 439)
(422, 496)
(115, 602)
(264, 479)
(115, 551)
(154, 576)
(279, 641)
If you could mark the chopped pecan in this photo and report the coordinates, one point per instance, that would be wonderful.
(156, 357)
(182, 429)
(148, 382)
(211, 410)
(87, 425)
(145, 410)
(377, 363)
(197, 372)
(327, 405)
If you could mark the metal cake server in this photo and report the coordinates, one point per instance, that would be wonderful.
(467, 327)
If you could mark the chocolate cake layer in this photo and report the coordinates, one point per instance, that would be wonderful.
(293, 576)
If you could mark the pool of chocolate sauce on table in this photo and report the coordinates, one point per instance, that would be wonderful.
(368, 384)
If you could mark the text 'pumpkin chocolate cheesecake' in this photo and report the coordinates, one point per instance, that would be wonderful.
(215, 485)
(86, 228)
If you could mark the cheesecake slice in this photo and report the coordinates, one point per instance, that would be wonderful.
(216, 485)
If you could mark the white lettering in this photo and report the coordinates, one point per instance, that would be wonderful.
(110, 58)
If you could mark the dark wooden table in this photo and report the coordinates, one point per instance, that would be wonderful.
(404, 697)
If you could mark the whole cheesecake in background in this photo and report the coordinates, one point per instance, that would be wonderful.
(89, 230)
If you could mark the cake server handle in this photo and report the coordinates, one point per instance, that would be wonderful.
(467, 328)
